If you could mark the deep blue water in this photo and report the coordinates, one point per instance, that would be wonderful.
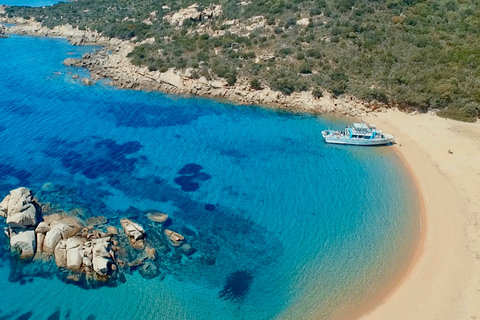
(283, 224)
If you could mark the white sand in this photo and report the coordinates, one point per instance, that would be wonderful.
(444, 283)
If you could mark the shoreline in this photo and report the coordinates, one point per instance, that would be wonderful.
(112, 62)
(435, 284)
(415, 252)
(440, 280)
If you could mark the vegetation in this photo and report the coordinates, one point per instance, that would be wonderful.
(410, 53)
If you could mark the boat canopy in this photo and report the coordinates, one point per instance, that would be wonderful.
(361, 128)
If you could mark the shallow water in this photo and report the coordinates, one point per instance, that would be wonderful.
(283, 224)
(30, 3)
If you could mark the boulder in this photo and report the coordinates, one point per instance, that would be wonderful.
(134, 232)
(175, 239)
(102, 259)
(49, 219)
(19, 209)
(40, 239)
(52, 238)
(71, 62)
(42, 227)
(75, 253)
(61, 229)
(87, 82)
(61, 254)
(23, 241)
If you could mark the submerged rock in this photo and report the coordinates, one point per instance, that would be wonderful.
(149, 270)
(187, 249)
(157, 216)
(95, 221)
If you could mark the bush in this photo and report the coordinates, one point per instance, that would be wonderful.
(255, 84)
(317, 93)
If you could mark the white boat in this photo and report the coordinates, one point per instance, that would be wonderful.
(359, 134)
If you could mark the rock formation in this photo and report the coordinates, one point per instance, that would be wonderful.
(21, 213)
(175, 239)
(86, 252)
(194, 13)
(19, 209)
(134, 232)
(24, 242)
(74, 247)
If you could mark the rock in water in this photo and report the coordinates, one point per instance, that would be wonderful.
(60, 229)
(175, 239)
(23, 241)
(71, 62)
(74, 253)
(61, 254)
(19, 209)
(134, 232)
(102, 259)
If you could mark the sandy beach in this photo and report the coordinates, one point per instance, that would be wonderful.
(444, 157)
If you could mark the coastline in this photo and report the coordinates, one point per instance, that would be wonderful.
(112, 62)
(415, 253)
(442, 277)
(440, 281)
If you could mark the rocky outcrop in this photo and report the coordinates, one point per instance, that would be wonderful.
(60, 230)
(23, 242)
(84, 254)
(113, 62)
(103, 257)
(175, 239)
(194, 13)
(19, 209)
(75, 252)
(21, 213)
(134, 232)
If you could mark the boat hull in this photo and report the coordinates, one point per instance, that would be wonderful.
(359, 142)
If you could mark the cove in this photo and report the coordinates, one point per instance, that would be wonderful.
(282, 223)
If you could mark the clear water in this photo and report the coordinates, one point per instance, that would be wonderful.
(30, 3)
(310, 226)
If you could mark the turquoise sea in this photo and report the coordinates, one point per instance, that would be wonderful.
(284, 225)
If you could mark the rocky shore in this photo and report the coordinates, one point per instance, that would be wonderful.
(112, 62)
(86, 252)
